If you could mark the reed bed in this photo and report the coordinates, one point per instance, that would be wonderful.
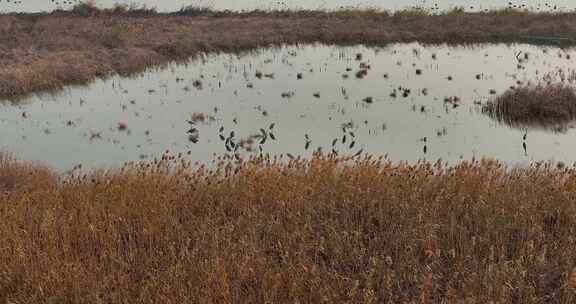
(547, 106)
(47, 51)
(272, 230)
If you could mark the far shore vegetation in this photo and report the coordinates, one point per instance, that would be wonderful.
(43, 52)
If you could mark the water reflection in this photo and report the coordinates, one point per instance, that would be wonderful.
(406, 100)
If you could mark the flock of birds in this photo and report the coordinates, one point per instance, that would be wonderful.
(255, 142)
(53, 3)
(226, 129)
(347, 141)
(430, 6)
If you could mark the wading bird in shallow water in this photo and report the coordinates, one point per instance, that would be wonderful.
(308, 141)
(524, 146)
(525, 135)
(525, 149)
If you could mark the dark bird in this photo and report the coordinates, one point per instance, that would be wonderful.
(524, 146)
(525, 136)
(368, 100)
(193, 138)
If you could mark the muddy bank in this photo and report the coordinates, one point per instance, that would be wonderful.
(43, 52)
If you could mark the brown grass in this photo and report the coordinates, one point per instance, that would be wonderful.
(41, 52)
(265, 231)
(23, 177)
(548, 106)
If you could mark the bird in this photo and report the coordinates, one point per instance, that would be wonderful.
(524, 146)
(525, 136)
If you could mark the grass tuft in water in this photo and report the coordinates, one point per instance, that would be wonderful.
(534, 106)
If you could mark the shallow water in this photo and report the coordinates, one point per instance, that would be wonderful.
(172, 5)
(81, 126)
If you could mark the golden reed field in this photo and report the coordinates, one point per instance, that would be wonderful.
(45, 52)
(265, 230)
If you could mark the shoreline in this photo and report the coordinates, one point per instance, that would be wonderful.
(44, 52)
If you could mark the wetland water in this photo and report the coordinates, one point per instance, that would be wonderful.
(172, 5)
(413, 102)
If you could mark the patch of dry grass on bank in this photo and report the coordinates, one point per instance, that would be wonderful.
(43, 52)
(321, 230)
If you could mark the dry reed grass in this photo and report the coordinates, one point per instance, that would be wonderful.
(23, 177)
(42, 52)
(313, 231)
(547, 106)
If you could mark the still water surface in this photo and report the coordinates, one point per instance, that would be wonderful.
(312, 96)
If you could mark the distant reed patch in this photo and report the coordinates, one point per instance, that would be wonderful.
(548, 106)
